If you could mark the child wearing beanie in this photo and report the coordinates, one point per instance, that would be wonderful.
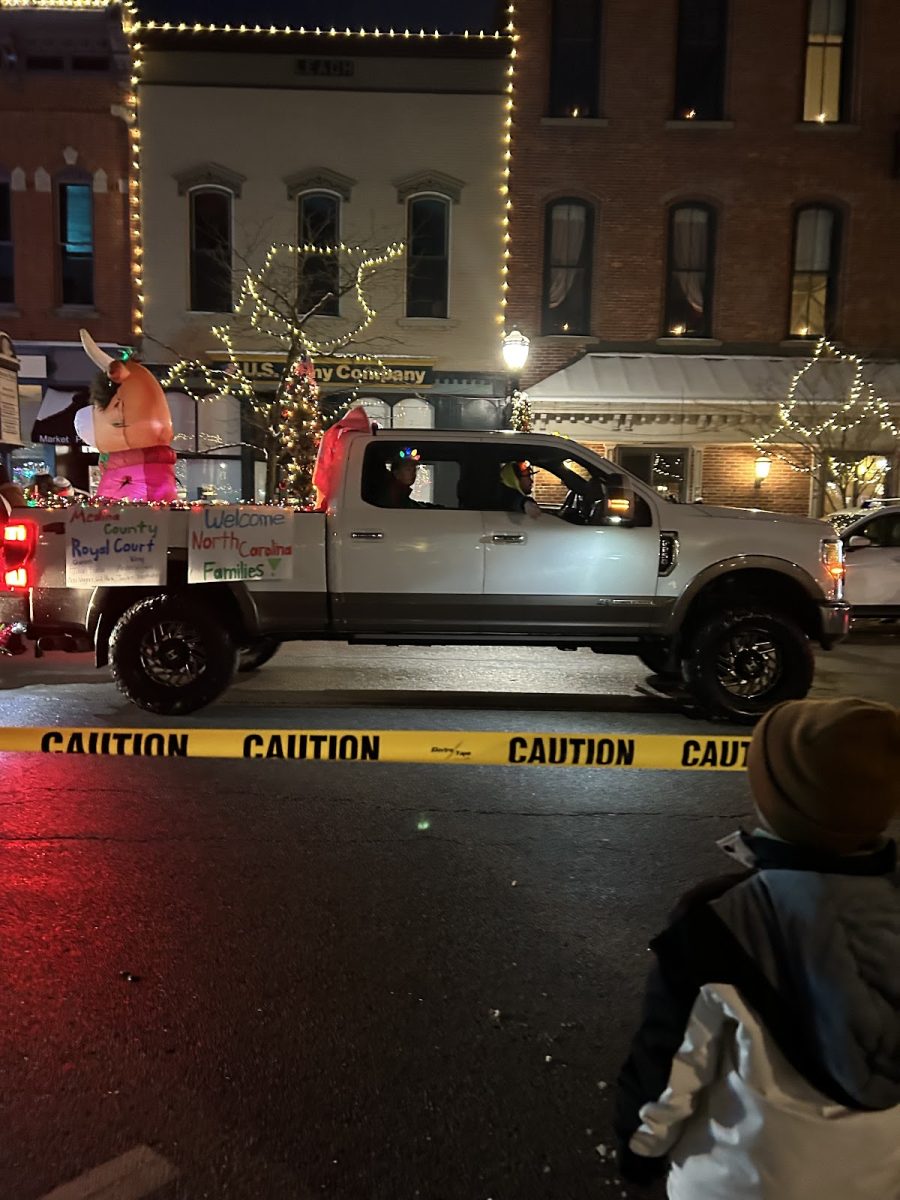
(767, 1064)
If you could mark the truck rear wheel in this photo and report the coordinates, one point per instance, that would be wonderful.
(256, 654)
(170, 655)
(742, 662)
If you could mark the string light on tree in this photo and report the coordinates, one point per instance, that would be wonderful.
(828, 435)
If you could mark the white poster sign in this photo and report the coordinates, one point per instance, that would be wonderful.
(116, 546)
(240, 543)
(10, 433)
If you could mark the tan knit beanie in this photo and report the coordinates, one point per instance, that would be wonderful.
(826, 773)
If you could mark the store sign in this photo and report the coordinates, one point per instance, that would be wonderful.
(116, 547)
(326, 68)
(387, 373)
(240, 543)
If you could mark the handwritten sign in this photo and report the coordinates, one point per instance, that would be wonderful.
(116, 547)
(242, 543)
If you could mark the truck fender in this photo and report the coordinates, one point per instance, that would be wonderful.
(775, 578)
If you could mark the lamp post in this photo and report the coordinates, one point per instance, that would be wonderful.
(515, 356)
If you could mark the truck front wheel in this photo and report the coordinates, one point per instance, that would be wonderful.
(742, 662)
(170, 655)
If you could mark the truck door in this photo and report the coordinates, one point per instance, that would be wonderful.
(873, 572)
(565, 571)
(401, 563)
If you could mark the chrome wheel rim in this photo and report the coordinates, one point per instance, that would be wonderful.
(748, 664)
(172, 654)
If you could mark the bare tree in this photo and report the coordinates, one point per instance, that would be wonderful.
(292, 302)
(834, 426)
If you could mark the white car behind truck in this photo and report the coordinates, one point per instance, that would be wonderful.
(729, 602)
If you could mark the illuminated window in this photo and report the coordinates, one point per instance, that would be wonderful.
(75, 202)
(7, 283)
(700, 65)
(427, 256)
(568, 251)
(827, 70)
(211, 265)
(815, 267)
(575, 58)
(319, 225)
(690, 274)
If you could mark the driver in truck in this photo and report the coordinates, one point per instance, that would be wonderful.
(518, 483)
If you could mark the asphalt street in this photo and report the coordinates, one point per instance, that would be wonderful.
(277, 981)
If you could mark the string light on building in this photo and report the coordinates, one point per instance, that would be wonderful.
(506, 170)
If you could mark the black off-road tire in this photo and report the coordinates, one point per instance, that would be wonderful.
(740, 663)
(255, 655)
(170, 655)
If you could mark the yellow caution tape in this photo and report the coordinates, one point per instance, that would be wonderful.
(646, 751)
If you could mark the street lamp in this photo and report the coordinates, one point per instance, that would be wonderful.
(515, 356)
(761, 470)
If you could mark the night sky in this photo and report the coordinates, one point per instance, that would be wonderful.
(413, 14)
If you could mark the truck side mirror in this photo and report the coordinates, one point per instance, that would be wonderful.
(617, 506)
(858, 542)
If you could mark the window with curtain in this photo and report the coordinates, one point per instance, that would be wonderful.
(7, 276)
(815, 269)
(568, 250)
(700, 63)
(690, 276)
(76, 242)
(319, 225)
(211, 250)
(427, 256)
(575, 58)
(827, 50)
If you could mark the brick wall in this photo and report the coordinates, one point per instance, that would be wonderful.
(753, 174)
(729, 474)
(40, 118)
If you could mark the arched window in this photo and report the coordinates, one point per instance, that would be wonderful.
(211, 249)
(568, 252)
(319, 224)
(689, 283)
(75, 210)
(427, 256)
(814, 279)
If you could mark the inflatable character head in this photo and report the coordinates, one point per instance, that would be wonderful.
(132, 426)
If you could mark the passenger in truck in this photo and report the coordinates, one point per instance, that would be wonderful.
(401, 478)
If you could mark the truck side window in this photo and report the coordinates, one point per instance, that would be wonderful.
(405, 475)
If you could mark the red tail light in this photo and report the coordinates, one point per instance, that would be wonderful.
(17, 546)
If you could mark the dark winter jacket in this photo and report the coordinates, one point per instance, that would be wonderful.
(767, 1064)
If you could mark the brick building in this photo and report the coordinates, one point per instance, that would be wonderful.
(65, 257)
(700, 189)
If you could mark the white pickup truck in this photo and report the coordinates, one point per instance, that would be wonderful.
(727, 602)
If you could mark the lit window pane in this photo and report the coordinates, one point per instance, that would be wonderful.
(825, 68)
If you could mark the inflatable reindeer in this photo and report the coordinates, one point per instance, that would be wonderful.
(130, 424)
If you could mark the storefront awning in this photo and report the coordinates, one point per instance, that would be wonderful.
(631, 382)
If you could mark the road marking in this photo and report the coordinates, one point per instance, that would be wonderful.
(132, 1175)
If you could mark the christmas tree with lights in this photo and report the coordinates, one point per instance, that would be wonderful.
(282, 302)
(522, 418)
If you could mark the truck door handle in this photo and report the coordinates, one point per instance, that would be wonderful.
(508, 539)
(367, 535)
